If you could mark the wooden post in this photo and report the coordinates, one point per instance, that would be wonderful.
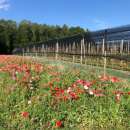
(27, 51)
(89, 48)
(63, 47)
(66, 50)
(73, 52)
(81, 51)
(83, 47)
(85, 52)
(103, 46)
(63, 50)
(121, 52)
(69, 47)
(45, 47)
(115, 48)
(121, 47)
(92, 48)
(57, 50)
(105, 64)
(110, 48)
(128, 47)
(107, 50)
(23, 52)
(114, 44)
(43, 50)
(23, 55)
(36, 55)
(98, 47)
(34, 49)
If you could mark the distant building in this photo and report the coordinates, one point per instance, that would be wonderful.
(112, 34)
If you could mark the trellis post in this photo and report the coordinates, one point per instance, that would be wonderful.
(73, 52)
(97, 45)
(121, 47)
(33, 50)
(84, 47)
(128, 46)
(57, 50)
(23, 54)
(28, 51)
(43, 51)
(36, 50)
(103, 46)
(66, 50)
(23, 51)
(121, 51)
(89, 48)
(81, 51)
(114, 47)
(105, 63)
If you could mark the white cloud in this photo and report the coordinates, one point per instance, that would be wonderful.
(4, 4)
(100, 24)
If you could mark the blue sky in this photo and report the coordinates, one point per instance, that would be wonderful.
(91, 14)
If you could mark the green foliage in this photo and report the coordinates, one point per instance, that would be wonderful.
(8, 32)
(13, 34)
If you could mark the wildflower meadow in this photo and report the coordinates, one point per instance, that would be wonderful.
(41, 96)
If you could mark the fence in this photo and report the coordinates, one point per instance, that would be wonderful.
(112, 46)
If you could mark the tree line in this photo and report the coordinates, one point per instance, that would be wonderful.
(13, 34)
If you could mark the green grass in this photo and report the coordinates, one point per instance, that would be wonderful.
(86, 112)
(119, 73)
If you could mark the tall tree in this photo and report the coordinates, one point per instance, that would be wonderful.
(25, 33)
(7, 35)
(14, 35)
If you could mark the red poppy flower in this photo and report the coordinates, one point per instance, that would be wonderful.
(65, 98)
(57, 89)
(104, 78)
(58, 123)
(74, 95)
(97, 93)
(74, 85)
(114, 79)
(79, 81)
(87, 84)
(25, 114)
(118, 95)
(69, 90)
(62, 91)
